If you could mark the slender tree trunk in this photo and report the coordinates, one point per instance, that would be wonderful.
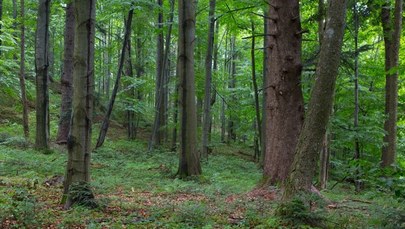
(24, 101)
(175, 117)
(155, 138)
(42, 77)
(258, 133)
(106, 120)
(79, 140)
(139, 73)
(67, 77)
(208, 80)
(231, 86)
(266, 46)
(356, 95)
(392, 37)
(166, 73)
(284, 101)
(320, 105)
(189, 164)
(131, 92)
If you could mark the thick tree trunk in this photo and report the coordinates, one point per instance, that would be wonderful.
(208, 80)
(41, 69)
(24, 101)
(284, 109)
(67, 77)
(189, 164)
(106, 120)
(79, 140)
(392, 37)
(320, 105)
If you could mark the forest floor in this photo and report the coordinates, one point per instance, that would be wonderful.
(138, 189)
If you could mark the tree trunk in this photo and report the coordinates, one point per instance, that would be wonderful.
(156, 135)
(392, 37)
(106, 120)
(24, 101)
(231, 86)
(41, 69)
(189, 164)
(79, 140)
(320, 105)
(67, 77)
(208, 80)
(258, 133)
(284, 109)
(131, 92)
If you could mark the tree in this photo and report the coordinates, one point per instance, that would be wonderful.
(22, 72)
(79, 140)
(106, 120)
(320, 105)
(159, 122)
(67, 77)
(42, 77)
(284, 109)
(208, 80)
(189, 158)
(392, 37)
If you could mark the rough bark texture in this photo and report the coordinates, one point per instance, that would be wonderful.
(208, 80)
(106, 120)
(41, 69)
(67, 77)
(79, 140)
(392, 36)
(284, 110)
(320, 105)
(22, 72)
(189, 158)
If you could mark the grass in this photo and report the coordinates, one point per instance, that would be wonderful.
(138, 189)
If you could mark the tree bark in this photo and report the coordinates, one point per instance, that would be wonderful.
(189, 164)
(208, 80)
(320, 105)
(392, 37)
(79, 140)
(284, 109)
(231, 86)
(42, 77)
(106, 120)
(67, 77)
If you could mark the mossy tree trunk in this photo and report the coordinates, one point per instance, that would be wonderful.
(79, 140)
(189, 164)
(320, 105)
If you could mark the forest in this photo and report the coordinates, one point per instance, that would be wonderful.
(202, 114)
